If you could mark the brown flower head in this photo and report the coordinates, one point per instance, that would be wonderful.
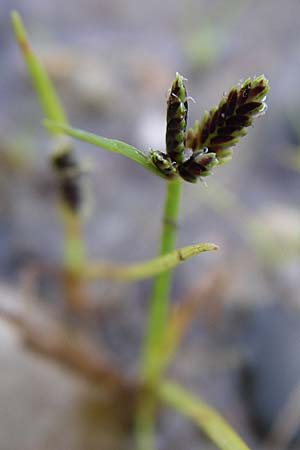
(223, 126)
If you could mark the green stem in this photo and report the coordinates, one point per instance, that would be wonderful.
(159, 302)
(74, 249)
(159, 299)
(73, 258)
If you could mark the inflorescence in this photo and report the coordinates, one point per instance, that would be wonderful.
(69, 175)
(211, 139)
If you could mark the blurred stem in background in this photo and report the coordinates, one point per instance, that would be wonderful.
(74, 252)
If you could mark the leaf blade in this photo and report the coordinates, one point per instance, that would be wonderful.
(209, 420)
(113, 145)
(145, 269)
(49, 101)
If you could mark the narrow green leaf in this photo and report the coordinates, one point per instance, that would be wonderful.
(145, 269)
(209, 420)
(113, 145)
(45, 90)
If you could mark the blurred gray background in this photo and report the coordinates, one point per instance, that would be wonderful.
(113, 63)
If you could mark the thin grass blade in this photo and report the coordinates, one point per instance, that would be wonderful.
(146, 269)
(209, 420)
(45, 90)
(113, 145)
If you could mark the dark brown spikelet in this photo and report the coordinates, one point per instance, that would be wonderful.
(64, 161)
(69, 179)
(177, 109)
(223, 126)
(198, 165)
(71, 192)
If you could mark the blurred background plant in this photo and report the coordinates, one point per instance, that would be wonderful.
(251, 209)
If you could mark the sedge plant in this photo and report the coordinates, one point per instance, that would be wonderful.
(190, 155)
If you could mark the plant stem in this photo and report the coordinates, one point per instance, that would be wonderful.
(159, 299)
(73, 258)
(74, 254)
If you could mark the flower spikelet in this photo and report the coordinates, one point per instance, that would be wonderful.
(198, 165)
(163, 162)
(177, 109)
(223, 126)
(69, 179)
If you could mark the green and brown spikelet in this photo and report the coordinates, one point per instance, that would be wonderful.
(211, 138)
(163, 162)
(198, 165)
(223, 126)
(177, 109)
